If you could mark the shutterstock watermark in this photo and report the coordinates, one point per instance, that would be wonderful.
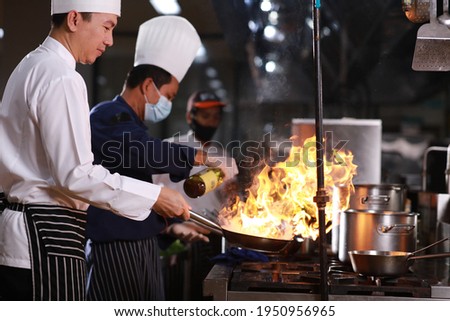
(160, 155)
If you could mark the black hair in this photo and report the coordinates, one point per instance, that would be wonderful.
(138, 74)
(59, 18)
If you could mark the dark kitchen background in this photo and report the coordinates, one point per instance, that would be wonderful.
(258, 58)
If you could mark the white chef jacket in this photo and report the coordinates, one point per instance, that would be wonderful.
(210, 201)
(46, 153)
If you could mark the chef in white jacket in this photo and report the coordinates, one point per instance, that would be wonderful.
(46, 168)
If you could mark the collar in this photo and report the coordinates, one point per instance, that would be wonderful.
(119, 99)
(57, 47)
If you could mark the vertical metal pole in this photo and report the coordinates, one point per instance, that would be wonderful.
(321, 197)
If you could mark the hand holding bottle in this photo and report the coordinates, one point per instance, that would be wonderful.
(220, 169)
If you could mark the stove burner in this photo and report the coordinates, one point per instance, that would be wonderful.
(343, 280)
(304, 277)
(276, 276)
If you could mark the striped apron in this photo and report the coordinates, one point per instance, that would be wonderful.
(124, 271)
(56, 237)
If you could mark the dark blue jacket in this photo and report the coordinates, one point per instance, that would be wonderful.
(121, 143)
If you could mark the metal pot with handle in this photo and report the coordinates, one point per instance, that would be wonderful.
(389, 263)
(381, 197)
(380, 230)
(386, 263)
(365, 207)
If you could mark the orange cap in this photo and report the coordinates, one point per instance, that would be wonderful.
(204, 99)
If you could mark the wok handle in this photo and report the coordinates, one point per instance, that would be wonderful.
(206, 223)
(431, 245)
(429, 256)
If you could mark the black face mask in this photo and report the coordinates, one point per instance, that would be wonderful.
(202, 133)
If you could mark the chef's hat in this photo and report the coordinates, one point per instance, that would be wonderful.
(168, 42)
(103, 6)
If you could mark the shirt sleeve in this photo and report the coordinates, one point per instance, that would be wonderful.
(63, 117)
(126, 147)
(176, 160)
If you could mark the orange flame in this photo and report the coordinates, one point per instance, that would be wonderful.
(280, 201)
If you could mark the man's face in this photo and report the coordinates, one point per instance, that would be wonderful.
(209, 117)
(95, 36)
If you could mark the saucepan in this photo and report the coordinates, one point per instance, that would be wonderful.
(389, 263)
(256, 243)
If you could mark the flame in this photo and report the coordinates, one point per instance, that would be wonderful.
(280, 201)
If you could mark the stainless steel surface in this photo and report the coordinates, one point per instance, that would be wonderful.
(432, 45)
(440, 291)
(371, 230)
(386, 263)
(433, 221)
(379, 197)
(376, 197)
(444, 18)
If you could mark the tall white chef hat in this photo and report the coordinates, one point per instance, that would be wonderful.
(104, 6)
(168, 42)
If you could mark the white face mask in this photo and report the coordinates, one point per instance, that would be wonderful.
(156, 112)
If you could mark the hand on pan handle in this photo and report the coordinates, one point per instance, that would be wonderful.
(171, 203)
(226, 164)
(188, 232)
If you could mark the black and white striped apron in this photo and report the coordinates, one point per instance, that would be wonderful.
(124, 271)
(56, 236)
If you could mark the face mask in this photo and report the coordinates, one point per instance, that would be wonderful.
(203, 133)
(156, 112)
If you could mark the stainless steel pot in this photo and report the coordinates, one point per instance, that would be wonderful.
(384, 197)
(376, 230)
(365, 197)
(389, 263)
(386, 263)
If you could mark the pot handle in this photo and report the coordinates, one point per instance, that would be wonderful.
(402, 228)
(375, 199)
(206, 223)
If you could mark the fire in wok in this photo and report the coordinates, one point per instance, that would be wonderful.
(279, 203)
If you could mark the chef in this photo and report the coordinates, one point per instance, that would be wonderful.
(165, 49)
(47, 173)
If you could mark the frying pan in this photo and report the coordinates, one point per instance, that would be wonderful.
(388, 263)
(256, 243)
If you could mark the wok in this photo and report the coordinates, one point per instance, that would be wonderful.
(256, 243)
(388, 263)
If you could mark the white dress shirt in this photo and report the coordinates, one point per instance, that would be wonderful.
(46, 153)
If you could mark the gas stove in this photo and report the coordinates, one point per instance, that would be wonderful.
(281, 279)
